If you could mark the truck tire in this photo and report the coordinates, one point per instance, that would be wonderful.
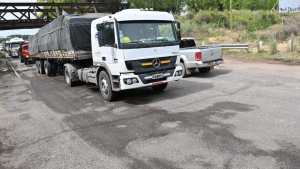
(26, 61)
(205, 70)
(184, 71)
(68, 77)
(160, 87)
(50, 68)
(41, 67)
(105, 87)
(21, 59)
(37, 66)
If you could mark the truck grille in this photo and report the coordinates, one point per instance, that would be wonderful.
(151, 65)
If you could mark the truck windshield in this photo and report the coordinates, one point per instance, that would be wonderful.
(15, 45)
(140, 34)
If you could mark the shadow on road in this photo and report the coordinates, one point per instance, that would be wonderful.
(213, 73)
(174, 90)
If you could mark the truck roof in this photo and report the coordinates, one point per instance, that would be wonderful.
(139, 14)
(16, 40)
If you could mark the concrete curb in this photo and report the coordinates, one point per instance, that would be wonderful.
(11, 65)
(13, 68)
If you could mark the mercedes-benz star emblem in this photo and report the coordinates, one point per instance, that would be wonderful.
(156, 63)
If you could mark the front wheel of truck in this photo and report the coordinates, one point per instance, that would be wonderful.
(105, 87)
(184, 72)
(160, 87)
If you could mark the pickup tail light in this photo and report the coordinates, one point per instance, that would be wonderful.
(198, 56)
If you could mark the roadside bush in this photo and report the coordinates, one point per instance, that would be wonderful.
(237, 19)
(292, 24)
(187, 26)
(273, 47)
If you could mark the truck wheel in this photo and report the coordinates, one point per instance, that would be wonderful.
(41, 67)
(68, 77)
(204, 70)
(26, 61)
(105, 87)
(160, 87)
(37, 66)
(21, 59)
(184, 72)
(50, 68)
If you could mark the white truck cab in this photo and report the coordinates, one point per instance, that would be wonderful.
(135, 48)
(14, 46)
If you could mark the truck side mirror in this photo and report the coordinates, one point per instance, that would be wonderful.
(178, 31)
(100, 38)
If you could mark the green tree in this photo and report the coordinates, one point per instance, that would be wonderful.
(161, 5)
(196, 5)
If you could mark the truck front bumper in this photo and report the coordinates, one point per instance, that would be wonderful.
(138, 83)
(201, 64)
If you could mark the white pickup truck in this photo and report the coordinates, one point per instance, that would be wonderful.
(203, 58)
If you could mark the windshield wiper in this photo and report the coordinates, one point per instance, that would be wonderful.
(136, 42)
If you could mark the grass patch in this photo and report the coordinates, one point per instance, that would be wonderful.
(282, 57)
(2, 55)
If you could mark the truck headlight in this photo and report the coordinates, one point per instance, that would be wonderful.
(130, 81)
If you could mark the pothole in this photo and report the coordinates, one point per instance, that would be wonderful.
(171, 124)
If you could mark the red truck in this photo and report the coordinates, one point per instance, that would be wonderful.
(24, 53)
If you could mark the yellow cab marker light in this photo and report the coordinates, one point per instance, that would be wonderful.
(165, 62)
(161, 62)
(147, 64)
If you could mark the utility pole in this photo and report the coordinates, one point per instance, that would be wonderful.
(230, 8)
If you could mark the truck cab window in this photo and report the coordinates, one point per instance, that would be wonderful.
(106, 35)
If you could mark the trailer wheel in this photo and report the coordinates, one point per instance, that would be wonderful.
(37, 66)
(41, 67)
(50, 68)
(105, 87)
(160, 87)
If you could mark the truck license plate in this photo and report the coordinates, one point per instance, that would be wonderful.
(157, 76)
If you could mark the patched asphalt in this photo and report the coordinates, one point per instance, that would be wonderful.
(241, 115)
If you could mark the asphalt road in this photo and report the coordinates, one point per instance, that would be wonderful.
(240, 116)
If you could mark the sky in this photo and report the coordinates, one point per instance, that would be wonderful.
(286, 4)
(18, 31)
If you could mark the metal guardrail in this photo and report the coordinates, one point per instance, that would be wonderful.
(235, 46)
(229, 46)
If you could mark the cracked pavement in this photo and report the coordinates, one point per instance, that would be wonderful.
(240, 116)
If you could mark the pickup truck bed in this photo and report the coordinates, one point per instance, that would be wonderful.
(203, 58)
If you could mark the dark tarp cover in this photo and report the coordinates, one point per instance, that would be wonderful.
(65, 33)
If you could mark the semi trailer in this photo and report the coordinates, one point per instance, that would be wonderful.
(130, 49)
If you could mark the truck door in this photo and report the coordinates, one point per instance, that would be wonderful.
(106, 40)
